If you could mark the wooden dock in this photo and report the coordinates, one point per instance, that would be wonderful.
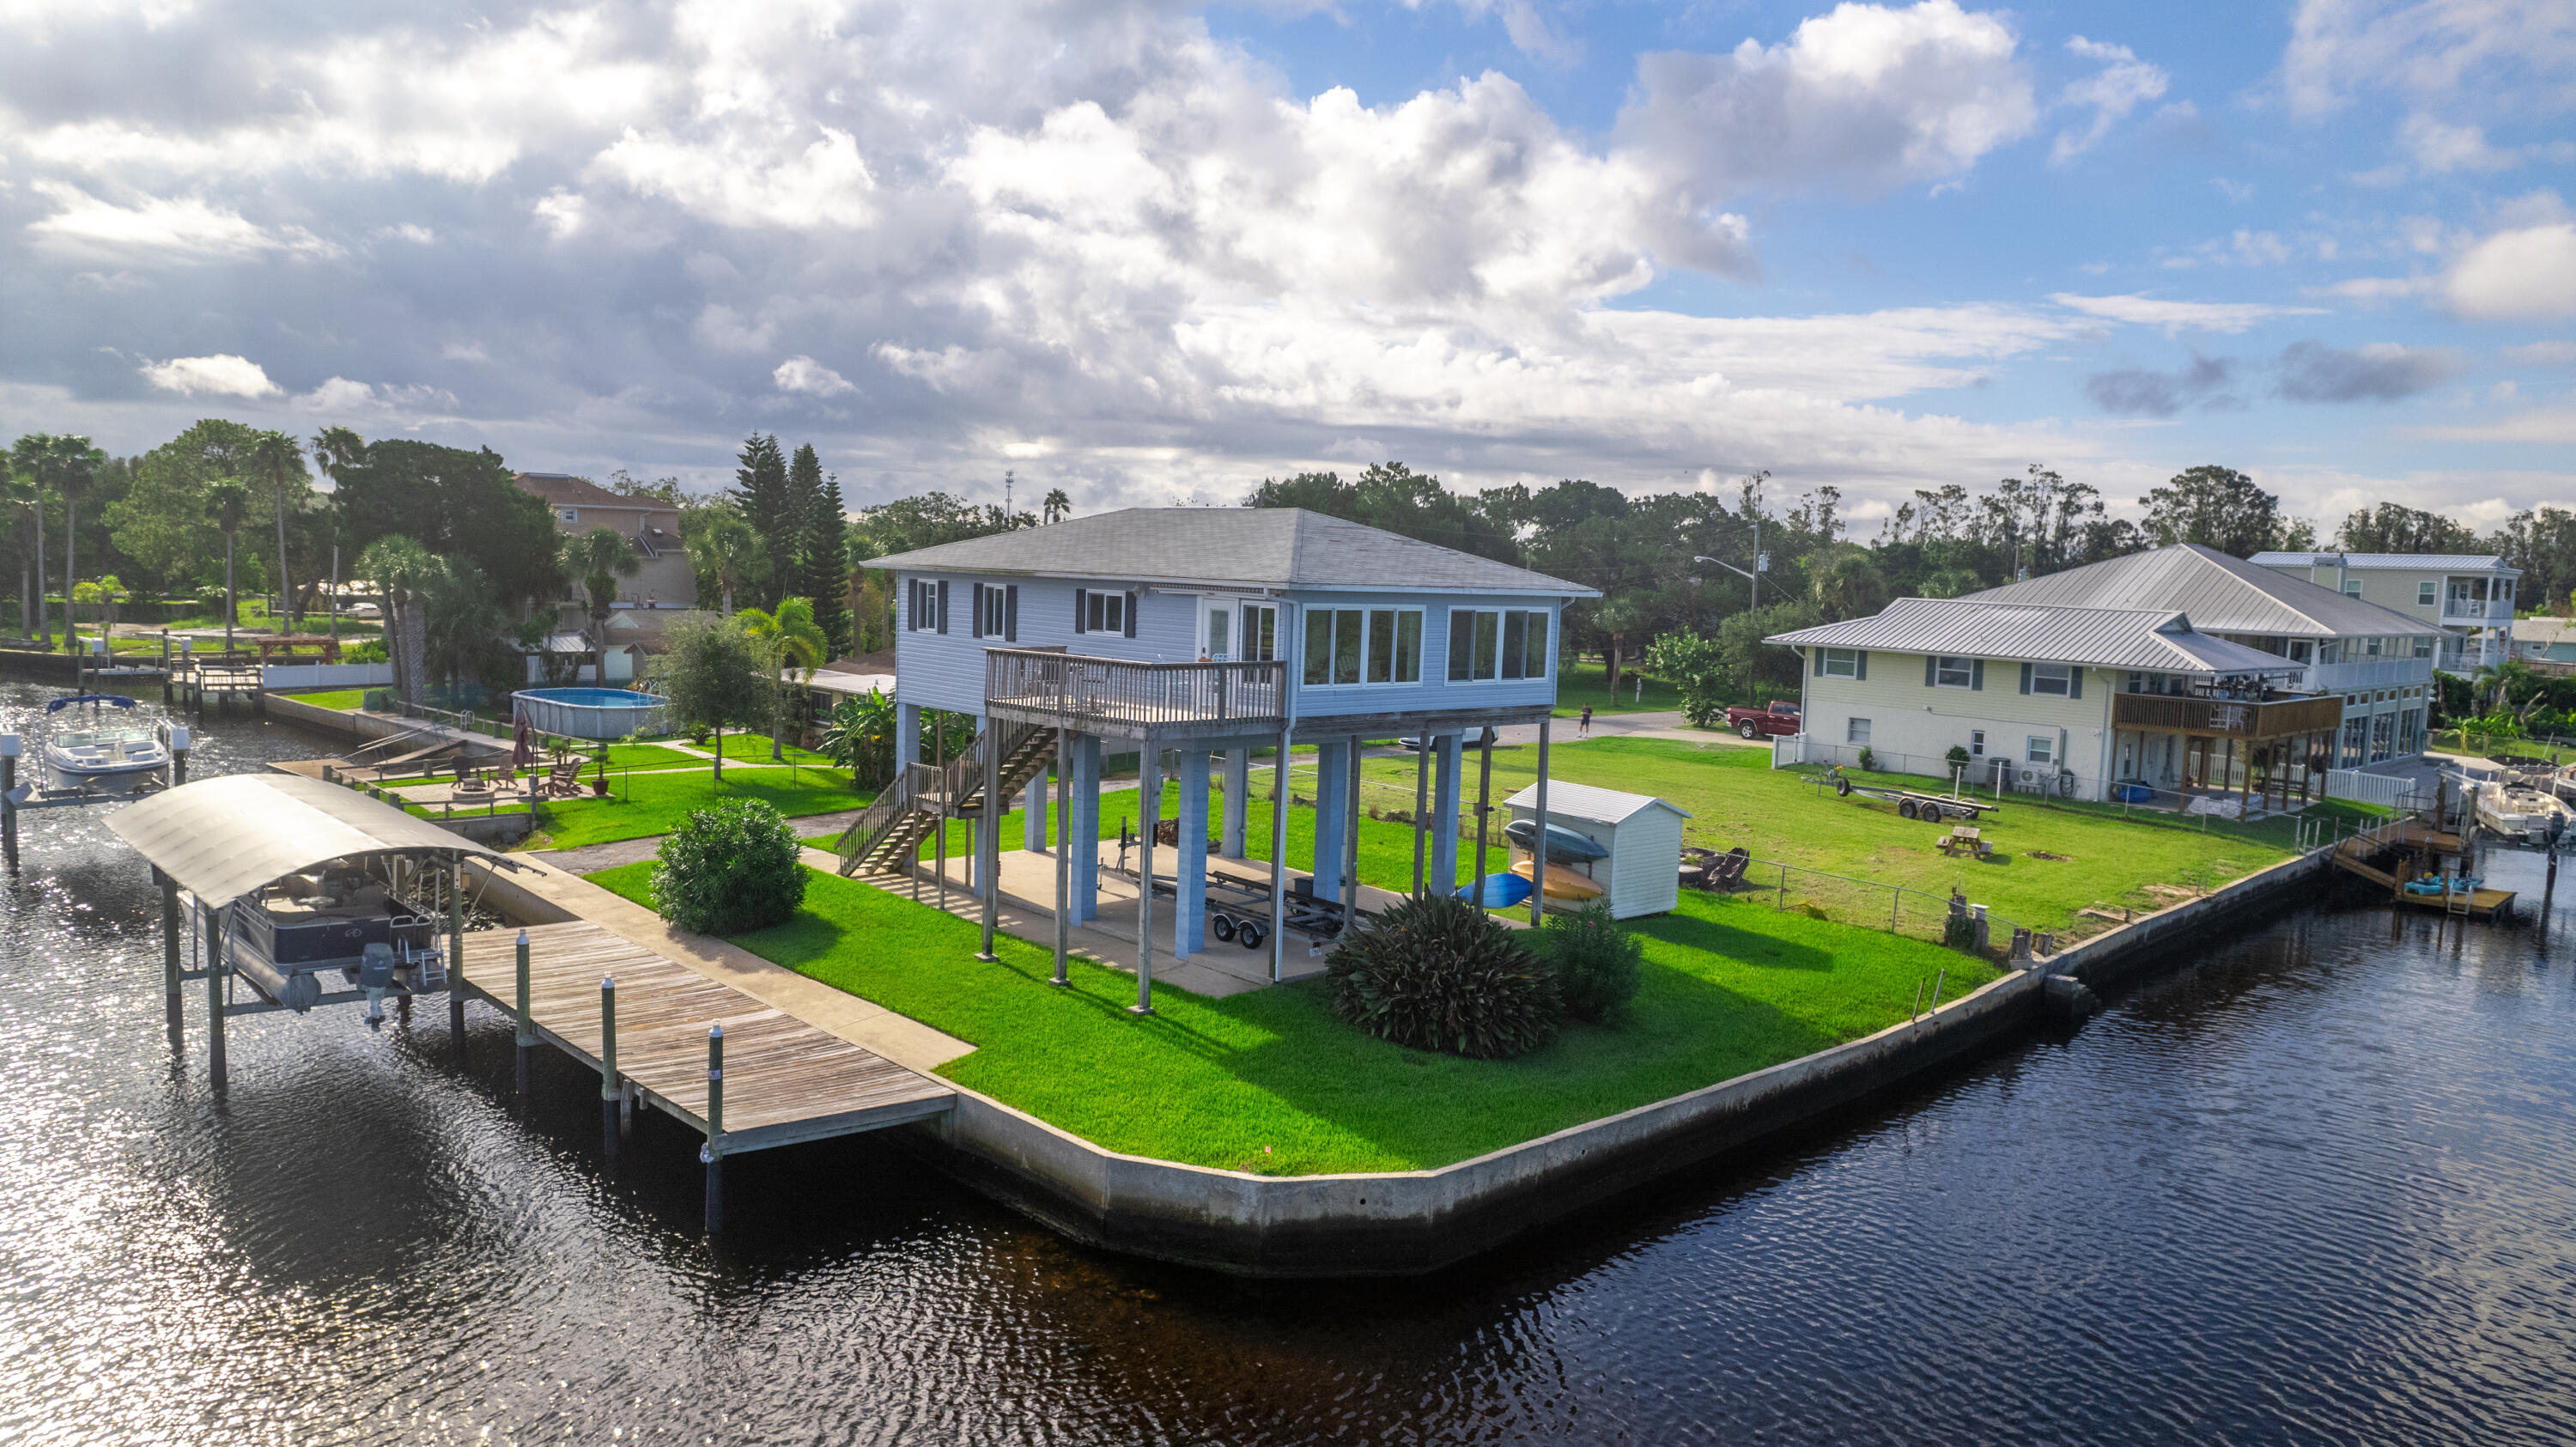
(2415, 839)
(784, 1081)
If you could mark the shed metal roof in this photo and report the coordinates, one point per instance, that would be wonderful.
(2160, 640)
(1568, 800)
(222, 838)
(1231, 547)
(2222, 594)
(2404, 562)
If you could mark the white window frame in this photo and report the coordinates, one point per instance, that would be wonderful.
(570, 515)
(1101, 604)
(1375, 654)
(1976, 743)
(1942, 672)
(1839, 663)
(996, 611)
(2427, 593)
(1495, 664)
(1248, 631)
(2352, 587)
(2064, 678)
(2039, 749)
(1856, 731)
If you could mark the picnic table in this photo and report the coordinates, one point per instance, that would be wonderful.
(1967, 839)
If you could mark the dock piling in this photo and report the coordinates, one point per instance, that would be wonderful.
(10, 744)
(715, 1130)
(170, 1001)
(527, 1026)
(612, 1092)
(456, 954)
(215, 1000)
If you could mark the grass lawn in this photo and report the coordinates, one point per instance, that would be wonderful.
(1582, 682)
(1270, 1081)
(345, 699)
(1735, 797)
(647, 804)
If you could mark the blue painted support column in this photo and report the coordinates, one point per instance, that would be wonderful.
(907, 734)
(1189, 911)
(1332, 767)
(1445, 784)
(1238, 798)
(1086, 827)
(1033, 814)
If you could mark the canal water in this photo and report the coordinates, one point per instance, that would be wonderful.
(2316, 1183)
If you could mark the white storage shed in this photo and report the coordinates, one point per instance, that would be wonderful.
(1642, 872)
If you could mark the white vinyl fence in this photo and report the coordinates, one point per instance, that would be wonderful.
(326, 675)
(2385, 790)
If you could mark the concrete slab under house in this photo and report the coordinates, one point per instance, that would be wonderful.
(2179, 678)
(1191, 638)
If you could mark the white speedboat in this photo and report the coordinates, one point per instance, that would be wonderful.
(2521, 813)
(110, 757)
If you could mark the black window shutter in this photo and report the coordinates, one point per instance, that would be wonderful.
(2075, 682)
(1976, 673)
(977, 630)
(1860, 665)
(1818, 658)
(1081, 600)
(2025, 678)
(942, 608)
(1929, 663)
(1131, 615)
(1011, 613)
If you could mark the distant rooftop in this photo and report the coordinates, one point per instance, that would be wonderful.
(2158, 640)
(562, 489)
(1236, 547)
(2427, 562)
(2222, 594)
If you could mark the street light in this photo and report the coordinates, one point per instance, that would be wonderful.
(1761, 565)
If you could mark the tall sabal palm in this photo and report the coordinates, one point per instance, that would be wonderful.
(336, 450)
(599, 558)
(458, 618)
(402, 571)
(19, 495)
(787, 641)
(1057, 506)
(275, 462)
(227, 501)
(64, 465)
(727, 552)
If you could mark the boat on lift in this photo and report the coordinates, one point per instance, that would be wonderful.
(112, 756)
(2522, 813)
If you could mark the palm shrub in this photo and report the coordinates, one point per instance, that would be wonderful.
(1437, 974)
(1596, 961)
(730, 868)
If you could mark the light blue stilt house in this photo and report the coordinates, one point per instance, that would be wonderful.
(1191, 637)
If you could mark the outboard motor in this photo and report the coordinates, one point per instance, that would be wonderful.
(376, 976)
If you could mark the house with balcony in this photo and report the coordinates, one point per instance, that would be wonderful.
(1188, 638)
(2184, 671)
(2468, 596)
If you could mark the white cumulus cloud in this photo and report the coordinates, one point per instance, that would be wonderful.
(2526, 274)
(804, 374)
(2122, 85)
(221, 375)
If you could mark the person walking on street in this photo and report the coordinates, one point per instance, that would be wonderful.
(1583, 728)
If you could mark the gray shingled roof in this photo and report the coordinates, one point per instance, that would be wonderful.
(2222, 594)
(2158, 640)
(2427, 562)
(1261, 547)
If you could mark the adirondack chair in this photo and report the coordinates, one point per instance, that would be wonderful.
(1707, 869)
(562, 781)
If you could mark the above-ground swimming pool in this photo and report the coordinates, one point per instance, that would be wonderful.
(591, 713)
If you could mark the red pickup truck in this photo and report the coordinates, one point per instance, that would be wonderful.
(1781, 717)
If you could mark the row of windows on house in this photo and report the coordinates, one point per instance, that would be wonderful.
(2061, 680)
(2365, 739)
(1345, 647)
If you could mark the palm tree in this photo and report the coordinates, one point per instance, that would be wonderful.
(276, 461)
(227, 499)
(1057, 506)
(785, 639)
(336, 450)
(458, 617)
(859, 735)
(18, 491)
(599, 558)
(1847, 584)
(727, 552)
(402, 571)
(66, 464)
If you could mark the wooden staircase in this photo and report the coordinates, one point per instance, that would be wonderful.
(886, 835)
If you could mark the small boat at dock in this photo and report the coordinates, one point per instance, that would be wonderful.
(112, 756)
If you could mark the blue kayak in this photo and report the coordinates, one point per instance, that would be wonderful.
(1501, 891)
(1564, 846)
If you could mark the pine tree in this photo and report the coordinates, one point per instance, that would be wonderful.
(762, 495)
(827, 550)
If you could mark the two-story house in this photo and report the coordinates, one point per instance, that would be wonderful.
(663, 579)
(2468, 596)
(2182, 671)
(1193, 633)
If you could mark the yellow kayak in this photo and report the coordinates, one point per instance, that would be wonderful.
(1562, 883)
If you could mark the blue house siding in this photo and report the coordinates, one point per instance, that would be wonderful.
(946, 670)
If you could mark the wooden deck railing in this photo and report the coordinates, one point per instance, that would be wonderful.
(1143, 695)
(2223, 717)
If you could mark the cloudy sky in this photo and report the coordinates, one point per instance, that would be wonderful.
(1152, 252)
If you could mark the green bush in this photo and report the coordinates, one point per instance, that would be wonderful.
(1596, 961)
(377, 700)
(371, 650)
(730, 868)
(1436, 974)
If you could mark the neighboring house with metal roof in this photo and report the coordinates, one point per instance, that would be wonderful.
(2469, 596)
(1196, 631)
(2547, 644)
(2181, 671)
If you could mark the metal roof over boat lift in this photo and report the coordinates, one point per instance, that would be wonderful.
(225, 837)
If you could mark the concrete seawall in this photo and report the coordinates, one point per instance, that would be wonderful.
(1410, 1222)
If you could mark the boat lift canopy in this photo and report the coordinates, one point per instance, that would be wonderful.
(225, 837)
(114, 700)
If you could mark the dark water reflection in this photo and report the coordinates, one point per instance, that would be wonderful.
(2318, 1186)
